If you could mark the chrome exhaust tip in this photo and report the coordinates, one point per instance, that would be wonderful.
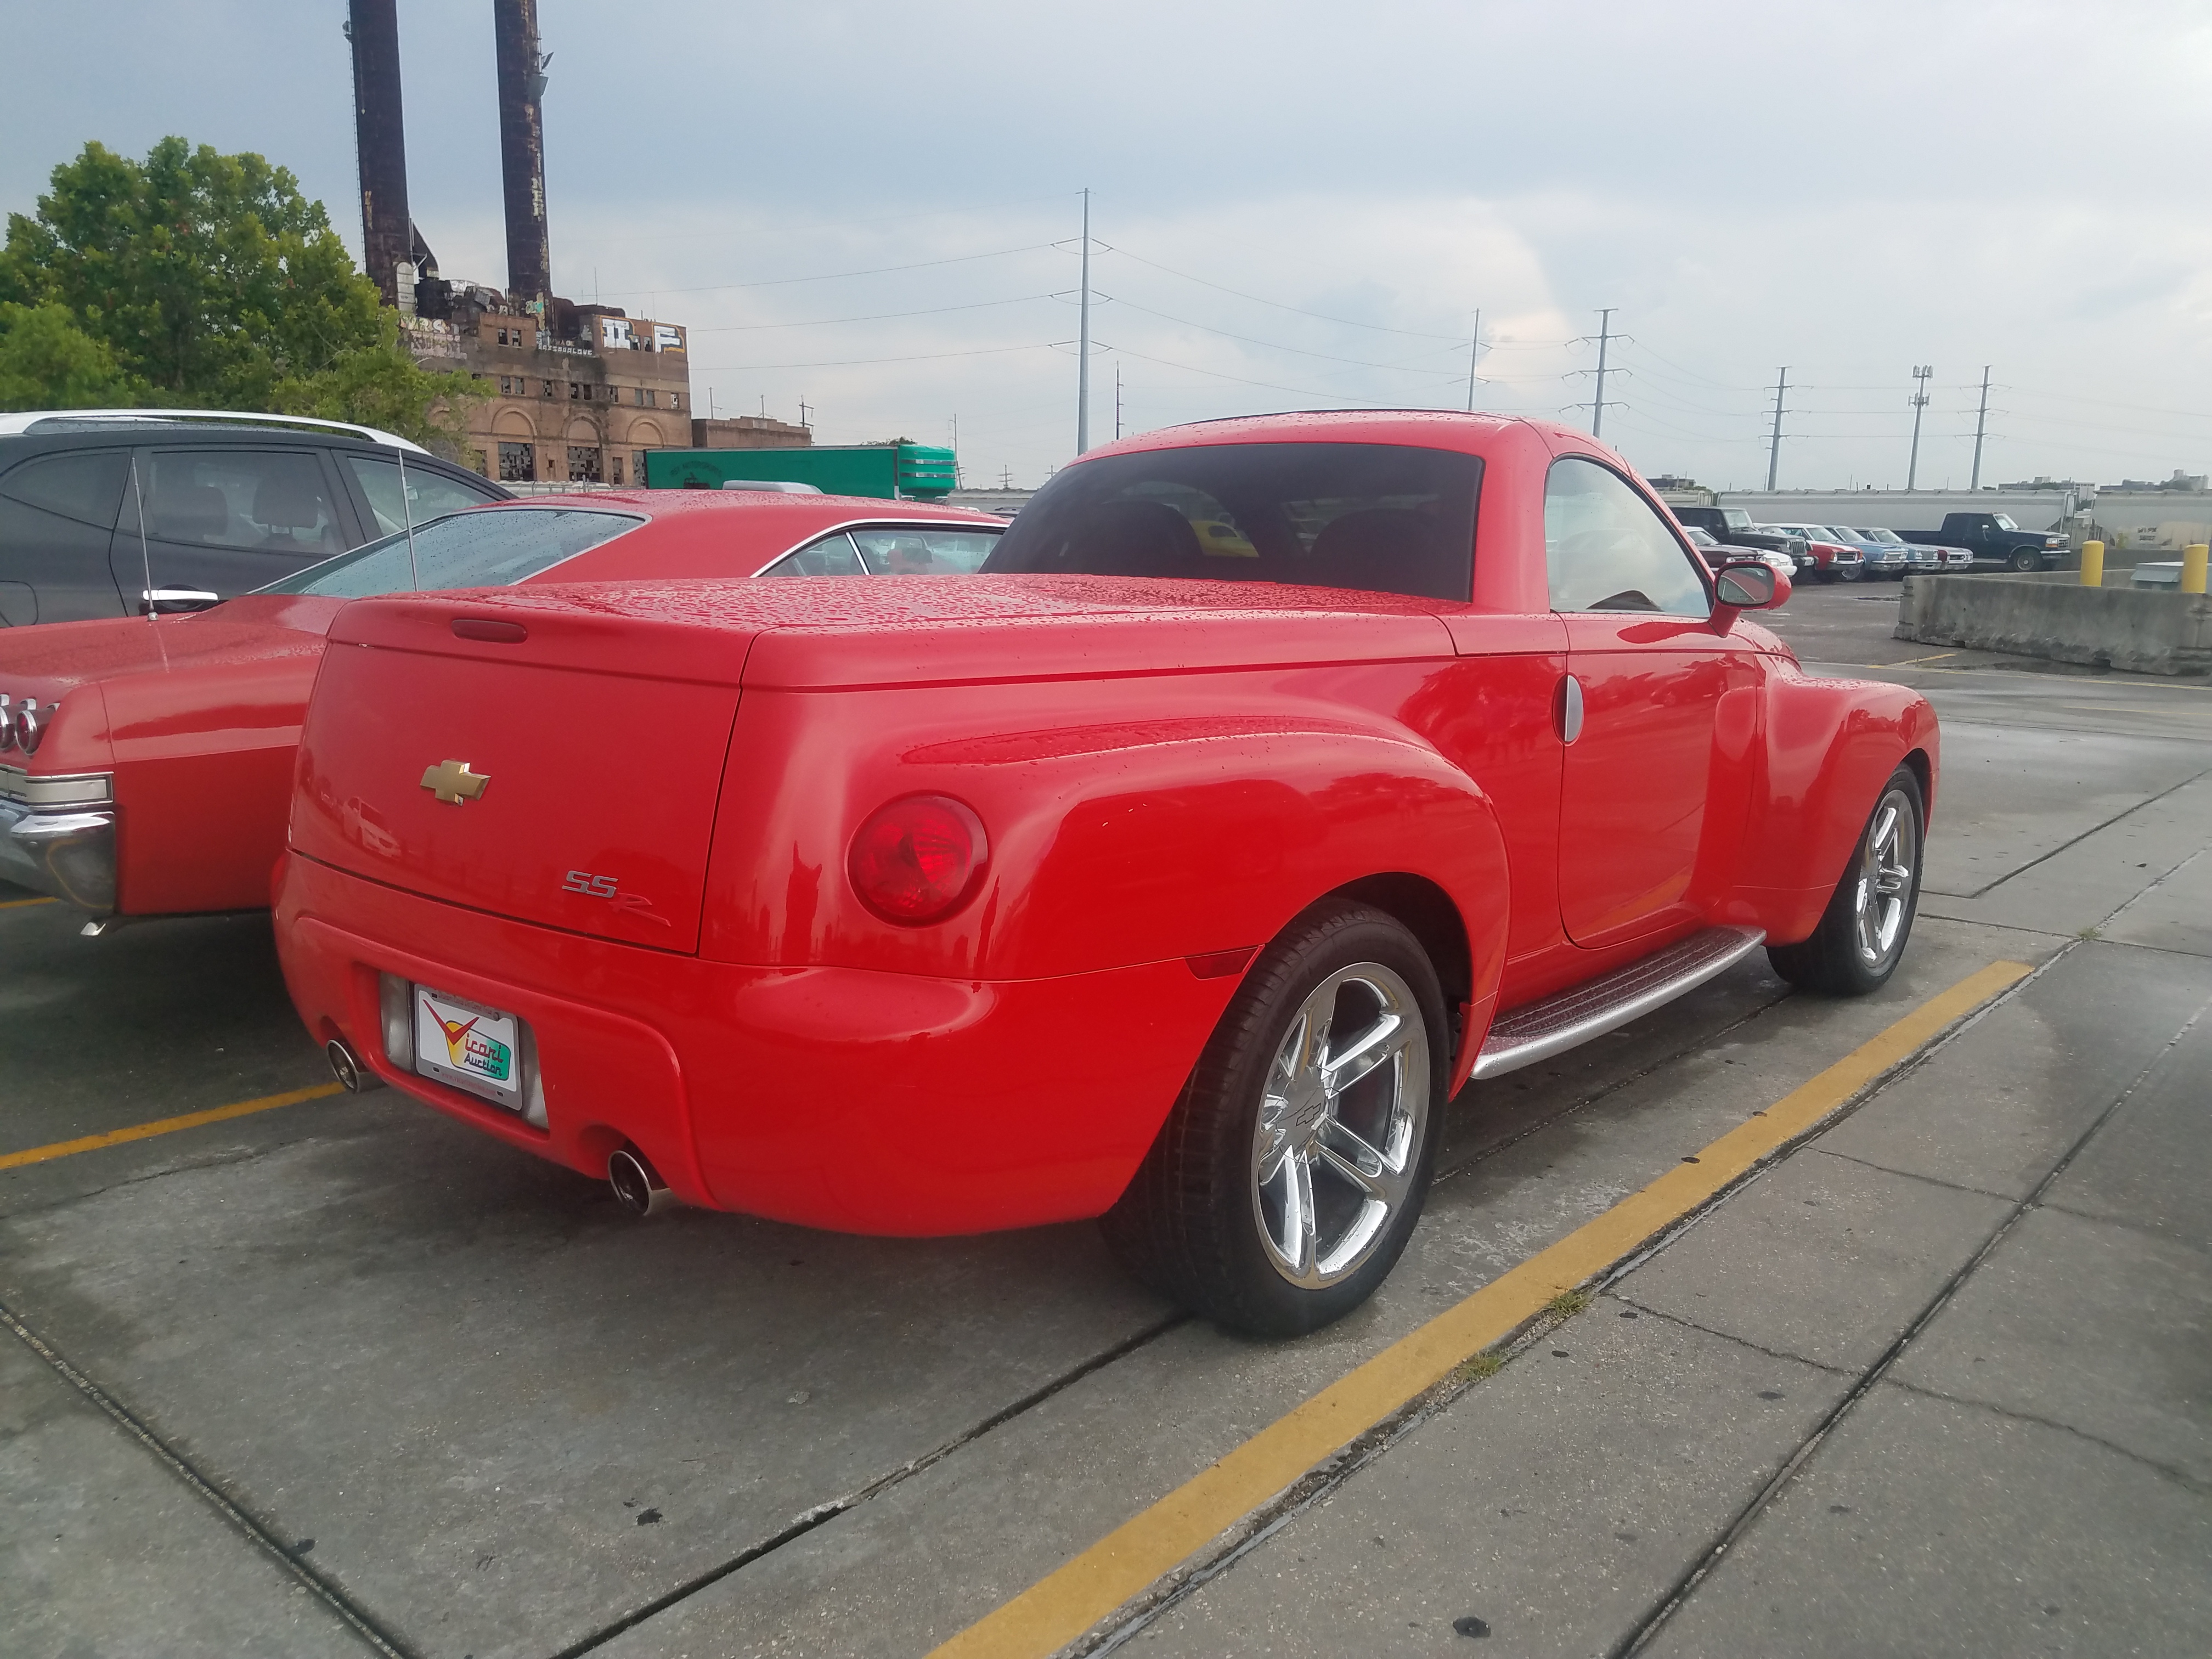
(346, 1066)
(638, 1188)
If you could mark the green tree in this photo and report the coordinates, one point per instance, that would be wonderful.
(47, 362)
(211, 281)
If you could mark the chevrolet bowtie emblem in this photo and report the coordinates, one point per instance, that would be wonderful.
(452, 782)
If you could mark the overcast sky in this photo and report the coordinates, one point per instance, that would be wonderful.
(1298, 205)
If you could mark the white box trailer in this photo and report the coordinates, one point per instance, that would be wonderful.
(1903, 509)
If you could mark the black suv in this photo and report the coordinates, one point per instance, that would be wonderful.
(227, 506)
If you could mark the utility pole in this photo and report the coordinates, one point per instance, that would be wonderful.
(1981, 425)
(956, 449)
(1774, 445)
(1604, 337)
(1082, 364)
(1473, 352)
(1921, 373)
(806, 415)
(1118, 399)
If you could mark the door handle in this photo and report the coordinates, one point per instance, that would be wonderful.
(1570, 709)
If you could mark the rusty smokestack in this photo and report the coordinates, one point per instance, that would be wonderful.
(380, 143)
(522, 148)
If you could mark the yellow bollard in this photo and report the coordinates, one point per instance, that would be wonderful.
(2092, 564)
(2192, 568)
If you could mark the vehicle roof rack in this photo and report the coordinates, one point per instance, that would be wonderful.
(67, 420)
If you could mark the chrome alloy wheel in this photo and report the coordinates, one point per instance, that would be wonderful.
(1341, 1122)
(1888, 860)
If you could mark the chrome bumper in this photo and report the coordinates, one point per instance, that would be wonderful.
(57, 837)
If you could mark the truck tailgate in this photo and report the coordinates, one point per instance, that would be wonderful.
(526, 764)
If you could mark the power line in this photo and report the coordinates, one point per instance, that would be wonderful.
(838, 275)
(1348, 322)
(873, 317)
(855, 362)
(1272, 345)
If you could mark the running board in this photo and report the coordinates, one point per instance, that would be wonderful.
(1580, 1013)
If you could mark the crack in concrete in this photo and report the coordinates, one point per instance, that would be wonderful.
(2180, 1477)
(1646, 1310)
(821, 1514)
(1914, 1174)
(256, 1532)
(2152, 800)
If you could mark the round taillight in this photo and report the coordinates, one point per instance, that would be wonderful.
(918, 859)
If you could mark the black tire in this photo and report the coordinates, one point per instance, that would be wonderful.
(1842, 958)
(1195, 1221)
(2025, 559)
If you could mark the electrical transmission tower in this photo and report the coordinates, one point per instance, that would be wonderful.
(1981, 426)
(1774, 445)
(1604, 336)
(1919, 402)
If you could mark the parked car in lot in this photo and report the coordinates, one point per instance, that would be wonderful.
(1717, 554)
(1920, 558)
(1832, 560)
(1995, 541)
(145, 762)
(99, 508)
(1133, 878)
(1733, 525)
(1890, 560)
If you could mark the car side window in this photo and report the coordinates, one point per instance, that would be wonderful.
(84, 489)
(832, 555)
(265, 501)
(429, 495)
(1606, 549)
(923, 551)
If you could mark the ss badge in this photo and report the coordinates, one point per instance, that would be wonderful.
(581, 881)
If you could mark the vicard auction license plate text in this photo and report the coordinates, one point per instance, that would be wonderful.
(468, 1045)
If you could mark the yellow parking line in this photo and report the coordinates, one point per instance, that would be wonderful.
(1909, 662)
(1067, 1602)
(162, 1127)
(17, 904)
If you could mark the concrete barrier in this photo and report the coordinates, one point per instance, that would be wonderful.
(2142, 631)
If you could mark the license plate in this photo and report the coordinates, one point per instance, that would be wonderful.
(469, 1046)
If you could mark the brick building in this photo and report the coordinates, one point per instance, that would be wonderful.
(578, 402)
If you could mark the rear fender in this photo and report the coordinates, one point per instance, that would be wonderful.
(1111, 843)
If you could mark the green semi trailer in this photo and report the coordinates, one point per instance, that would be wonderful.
(892, 472)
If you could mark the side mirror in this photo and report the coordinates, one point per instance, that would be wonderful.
(1750, 587)
(174, 601)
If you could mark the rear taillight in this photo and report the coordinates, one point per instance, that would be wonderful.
(918, 859)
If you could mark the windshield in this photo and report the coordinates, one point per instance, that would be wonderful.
(1382, 517)
(2002, 521)
(485, 549)
(1736, 518)
(1878, 535)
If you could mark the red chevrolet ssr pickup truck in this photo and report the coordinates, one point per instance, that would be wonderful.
(1274, 777)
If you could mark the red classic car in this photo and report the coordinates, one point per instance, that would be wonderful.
(1172, 878)
(146, 764)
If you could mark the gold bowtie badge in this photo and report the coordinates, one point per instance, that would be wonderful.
(452, 782)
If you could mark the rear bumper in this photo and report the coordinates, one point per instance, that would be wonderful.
(837, 1098)
(62, 846)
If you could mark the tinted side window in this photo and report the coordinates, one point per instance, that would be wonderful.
(84, 489)
(55, 514)
(429, 495)
(269, 502)
(1606, 549)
